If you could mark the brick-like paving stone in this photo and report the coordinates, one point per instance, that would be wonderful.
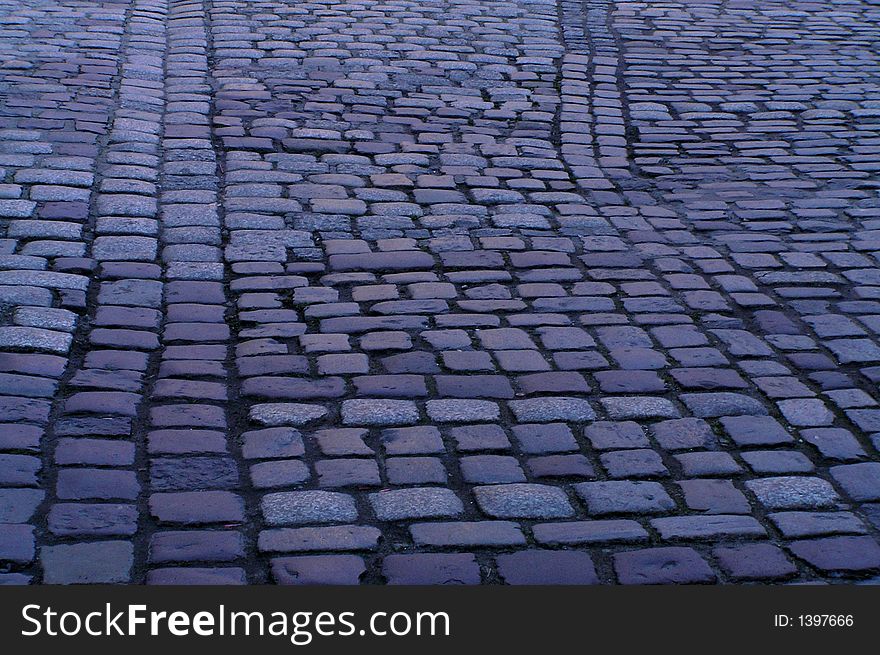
(439, 292)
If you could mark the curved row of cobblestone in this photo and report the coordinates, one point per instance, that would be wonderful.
(449, 291)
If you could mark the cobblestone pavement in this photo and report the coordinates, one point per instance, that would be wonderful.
(439, 291)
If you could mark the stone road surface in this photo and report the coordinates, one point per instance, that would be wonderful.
(439, 291)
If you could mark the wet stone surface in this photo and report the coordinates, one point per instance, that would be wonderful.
(439, 292)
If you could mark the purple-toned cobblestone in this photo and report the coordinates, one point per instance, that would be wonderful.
(439, 292)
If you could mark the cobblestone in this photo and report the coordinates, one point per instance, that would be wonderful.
(573, 291)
